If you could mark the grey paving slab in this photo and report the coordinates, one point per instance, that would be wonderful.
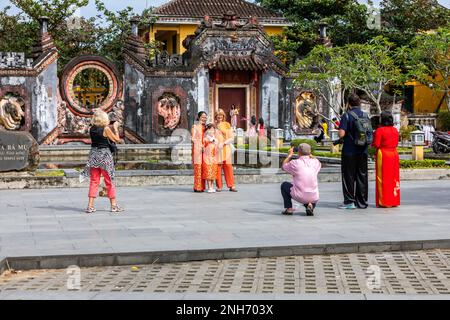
(174, 218)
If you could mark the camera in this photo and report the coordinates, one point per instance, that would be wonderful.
(295, 148)
(337, 142)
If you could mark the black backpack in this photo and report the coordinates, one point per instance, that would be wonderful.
(363, 130)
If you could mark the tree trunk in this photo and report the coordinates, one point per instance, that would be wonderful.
(447, 99)
(380, 93)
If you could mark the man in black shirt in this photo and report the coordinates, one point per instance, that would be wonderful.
(355, 180)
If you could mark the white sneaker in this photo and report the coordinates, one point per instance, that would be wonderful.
(211, 191)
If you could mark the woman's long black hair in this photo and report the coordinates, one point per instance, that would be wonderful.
(387, 120)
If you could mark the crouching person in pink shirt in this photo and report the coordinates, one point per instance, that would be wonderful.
(305, 187)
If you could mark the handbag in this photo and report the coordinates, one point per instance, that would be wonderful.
(114, 150)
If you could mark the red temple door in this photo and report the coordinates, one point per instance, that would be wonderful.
(236, 96)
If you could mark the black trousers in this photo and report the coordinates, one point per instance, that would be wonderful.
(286, 193)
(355, 180)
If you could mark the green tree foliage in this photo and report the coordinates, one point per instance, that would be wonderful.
(58, 11)
(370, 67)
(444, 121)
(12, 25)
(104, 34)
(429, 61)
(347, 22)
(69, 41)
(367, 67)
(402, 19)
(347, 19)
(317, 73)
(112, 37)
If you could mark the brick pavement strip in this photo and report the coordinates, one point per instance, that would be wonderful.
(366, 276)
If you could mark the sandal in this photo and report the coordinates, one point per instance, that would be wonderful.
(287, 213)
(310, 210)
(233, 189)
(90, 210)
(116, 209)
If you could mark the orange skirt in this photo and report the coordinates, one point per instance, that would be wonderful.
(209, 171)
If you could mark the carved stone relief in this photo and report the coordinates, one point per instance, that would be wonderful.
(12, 112)
(169, 110)
(305, 111)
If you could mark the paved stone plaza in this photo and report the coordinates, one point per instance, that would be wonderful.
(52, 222)
(160, 219)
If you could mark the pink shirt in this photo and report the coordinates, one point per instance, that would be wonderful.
(305, 171)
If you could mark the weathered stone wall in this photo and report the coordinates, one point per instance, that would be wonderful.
(270, 95)
(44, 101)
(141, 96)
(287, 101)
(200, 91)
(135, 100)
(220, 47)
(40, 100)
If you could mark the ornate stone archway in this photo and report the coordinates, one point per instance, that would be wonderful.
(74, 116)
(78, 65)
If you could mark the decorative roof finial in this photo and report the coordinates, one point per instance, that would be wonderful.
(43, 23)
(44, 42)
(135, 26)
(323, 37)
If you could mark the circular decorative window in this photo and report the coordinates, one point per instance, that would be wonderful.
(90, 82)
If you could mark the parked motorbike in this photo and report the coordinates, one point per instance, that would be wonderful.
(441, 142)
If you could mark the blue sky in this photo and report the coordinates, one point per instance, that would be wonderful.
(139, 5)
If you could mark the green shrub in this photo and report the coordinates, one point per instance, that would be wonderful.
(283, 150)
(53, 173)
(312, 143)
(405, 132)
(315, 153)
(411, 164)
(401, 150)
(444, 121)
(327, 154)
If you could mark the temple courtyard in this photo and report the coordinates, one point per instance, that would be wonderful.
(172, 243)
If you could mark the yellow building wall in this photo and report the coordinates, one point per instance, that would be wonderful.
(184, 30)
(273, 31)
(426, 100)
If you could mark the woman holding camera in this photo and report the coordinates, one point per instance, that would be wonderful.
(101, 161)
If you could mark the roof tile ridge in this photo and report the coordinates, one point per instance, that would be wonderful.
(165, 5)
